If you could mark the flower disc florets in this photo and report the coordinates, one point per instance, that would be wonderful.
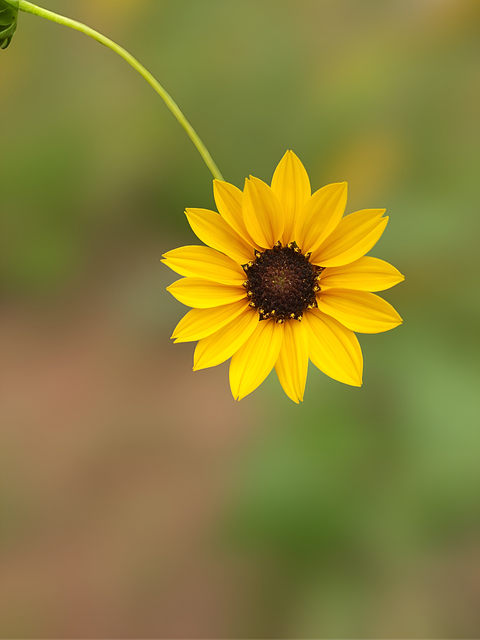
(282, 283)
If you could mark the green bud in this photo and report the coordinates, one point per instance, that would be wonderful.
(8, 21)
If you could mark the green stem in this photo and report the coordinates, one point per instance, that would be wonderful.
(28, 7)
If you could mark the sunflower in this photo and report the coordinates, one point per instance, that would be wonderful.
(284, 280)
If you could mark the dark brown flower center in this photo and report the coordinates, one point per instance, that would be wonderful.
(282, 283)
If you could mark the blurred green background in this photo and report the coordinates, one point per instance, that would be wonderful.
(138, 499)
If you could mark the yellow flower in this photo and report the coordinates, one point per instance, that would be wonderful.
(284, 279)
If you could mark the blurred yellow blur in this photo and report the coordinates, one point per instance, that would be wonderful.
(138, 499)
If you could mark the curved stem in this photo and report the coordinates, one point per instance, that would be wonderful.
(28, 7)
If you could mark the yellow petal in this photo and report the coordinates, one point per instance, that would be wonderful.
(222, 344)
(204, 262)
(200, 323)
(253, 362)
(203, 294)
(333, 348)
(262, 212)
(358, 310)
(292, 362)
(291, 185)
(365, 274)
(228, 199)
(212, 229)
(354, 236)
(320, 215)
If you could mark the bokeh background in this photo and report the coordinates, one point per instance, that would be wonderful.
(138, 499)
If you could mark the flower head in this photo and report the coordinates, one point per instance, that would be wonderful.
(284, 280)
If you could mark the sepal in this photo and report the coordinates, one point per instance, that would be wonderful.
(8, 21)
